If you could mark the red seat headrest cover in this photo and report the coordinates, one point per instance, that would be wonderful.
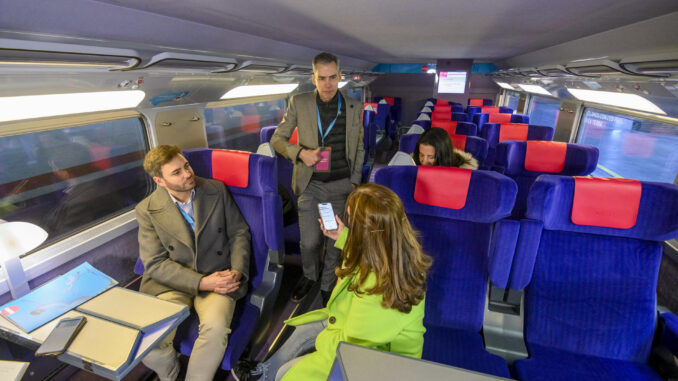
(231, 167)
(545, 156)
(513, 131)
(606, 202)
(446, 187)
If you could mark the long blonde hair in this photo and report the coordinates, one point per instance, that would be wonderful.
(381, 240)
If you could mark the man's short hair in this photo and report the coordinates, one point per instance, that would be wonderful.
(159, 156)
(325, 58)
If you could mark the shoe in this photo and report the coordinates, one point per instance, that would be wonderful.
(246, 371)
(302, 288)
(326, 296)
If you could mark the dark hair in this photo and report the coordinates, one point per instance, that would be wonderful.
(325, 58)
(382, 241)
(440, 140)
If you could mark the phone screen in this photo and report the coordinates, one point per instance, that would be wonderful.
(327, 215)
(61, 337)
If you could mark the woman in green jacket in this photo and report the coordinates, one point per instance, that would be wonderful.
(379, 298)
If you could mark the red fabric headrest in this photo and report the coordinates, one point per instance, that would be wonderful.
(441, 102)
(250, 123)
(375, 106)
(476, 102)
(446, 187)
(448, 125)
(294, 139)
(606, 202)
(545, 156)
(458, 141)
(390, 100)
(442, 108)
(513, 131)
(231, 167)
(499, 118)
(437, 115)
(489, 109)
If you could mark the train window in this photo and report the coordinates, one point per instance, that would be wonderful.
(237, 127)
(544, 111)
(511, 100)
(631, 147)
(68, 179)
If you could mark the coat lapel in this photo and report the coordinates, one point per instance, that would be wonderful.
(350, 112)
(166, 215)
(312, 109)
(343, 283)
(204, 203)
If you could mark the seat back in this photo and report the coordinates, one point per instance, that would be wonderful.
(525, 161)
(447, 108)
(496, 133)
(408, 143)
(284, 166)
(453, 127)
(473, 109)
(590, 262)
(253, 183)
(460, 117)
(457, 108)
(472, 144)
(454, 211)
(441, 115)
(479, 102)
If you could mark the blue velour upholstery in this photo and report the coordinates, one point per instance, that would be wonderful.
(260, 205)
(490, 132)
(425, 124)
(459, 241)
(505, 110)
(408, 143)
(669, 336)
(580, 160)
(460, 117)
(590, 303)
(481, 118)
(456, 108)
(473, 109)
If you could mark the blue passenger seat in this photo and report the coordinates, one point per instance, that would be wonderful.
(525, 161)
(496, 133)
(588, 258)
(455, 210)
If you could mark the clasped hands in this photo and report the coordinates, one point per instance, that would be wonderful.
(221, 282)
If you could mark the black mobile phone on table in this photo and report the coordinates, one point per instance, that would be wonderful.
(61, 336)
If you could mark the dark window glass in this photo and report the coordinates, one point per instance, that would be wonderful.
(237, 127)
(631, 147)
(66, 180)
(511, 101)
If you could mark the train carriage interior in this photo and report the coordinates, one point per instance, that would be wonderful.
(556, 259)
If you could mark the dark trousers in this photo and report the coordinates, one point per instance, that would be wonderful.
(316, 249)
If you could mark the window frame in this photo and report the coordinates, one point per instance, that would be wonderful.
(80, 242)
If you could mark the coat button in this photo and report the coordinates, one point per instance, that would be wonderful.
(220, 230)
(220, 252)
(333, 320)
(170, 247)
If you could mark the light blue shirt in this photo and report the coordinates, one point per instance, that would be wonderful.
(187, 206)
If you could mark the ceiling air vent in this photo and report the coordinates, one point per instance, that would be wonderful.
(194, 62)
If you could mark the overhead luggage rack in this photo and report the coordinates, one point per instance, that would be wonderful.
(595, 68)
(554, 71)
(183, 61)
(22, 53)
(660, 65)
(261, 67)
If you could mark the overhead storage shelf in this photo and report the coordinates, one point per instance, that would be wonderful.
(554, 71)
(661, 65)
(595, 68)
(22, 53)
(183, 61)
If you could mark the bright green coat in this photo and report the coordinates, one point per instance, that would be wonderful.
(358, 319)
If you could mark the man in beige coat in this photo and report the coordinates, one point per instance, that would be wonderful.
(327, 161)
(195, 247)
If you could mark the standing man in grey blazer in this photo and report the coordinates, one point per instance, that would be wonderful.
(327, 165)
(195, 247)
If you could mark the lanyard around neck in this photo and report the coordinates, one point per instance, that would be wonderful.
(329, 128)
(187, 217)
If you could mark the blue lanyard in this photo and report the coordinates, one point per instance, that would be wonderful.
(188, 218)
(320, 125)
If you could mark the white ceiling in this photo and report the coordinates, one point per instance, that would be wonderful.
(392, 31)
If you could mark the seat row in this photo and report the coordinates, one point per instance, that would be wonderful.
(584, 263)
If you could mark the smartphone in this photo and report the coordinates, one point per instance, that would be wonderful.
(61, 336)
(327, 216)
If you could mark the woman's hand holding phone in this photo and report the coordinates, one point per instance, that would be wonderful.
(332, 234)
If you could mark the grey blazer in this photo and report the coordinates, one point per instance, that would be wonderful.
(302, 113)
(171, 260)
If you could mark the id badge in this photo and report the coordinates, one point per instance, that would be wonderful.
(325, 156)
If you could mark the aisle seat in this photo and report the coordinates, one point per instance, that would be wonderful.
(455, 211)
(496, 133)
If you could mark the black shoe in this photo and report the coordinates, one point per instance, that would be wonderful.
(326, 296)
(302, 288)
(245, 371)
